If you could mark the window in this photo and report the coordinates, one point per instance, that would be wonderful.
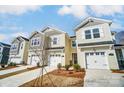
(35, 41)
(97, 53)
(73, 43)
(87, 34)
(102, 53)
(14, 47)
(21, 46)
(55, 40)
(96, 33)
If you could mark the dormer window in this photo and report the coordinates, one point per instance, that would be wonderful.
(96, 33)
(35, 41)
(88, 34)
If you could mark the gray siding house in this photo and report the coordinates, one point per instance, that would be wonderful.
(4, 53)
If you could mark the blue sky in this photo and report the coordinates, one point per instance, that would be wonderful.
(22, 20)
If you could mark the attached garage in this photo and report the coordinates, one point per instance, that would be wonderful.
(96, 60)
(34, 59)
(54, 59)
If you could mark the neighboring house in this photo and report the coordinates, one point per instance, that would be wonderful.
(4, 53)
(19, 50)
(57, 47)
(35, 48)
(95, 45)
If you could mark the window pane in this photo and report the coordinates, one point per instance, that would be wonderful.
(54, 40)
(88, 32)
(88, 36)
(73, 43)
(96, 30)
(96, 35)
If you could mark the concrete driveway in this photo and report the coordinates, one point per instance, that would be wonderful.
(19, 79)
(103, 78)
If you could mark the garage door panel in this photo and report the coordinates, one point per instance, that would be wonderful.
(54, 60)
(35, 60)
(96, 60)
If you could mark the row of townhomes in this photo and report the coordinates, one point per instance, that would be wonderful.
(92, 47)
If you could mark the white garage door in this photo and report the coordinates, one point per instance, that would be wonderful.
(54, 60)
(35, 59)
(96, 60)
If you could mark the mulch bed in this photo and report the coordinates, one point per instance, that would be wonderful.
(8, 67)
(62, 78)
(117, 71)
(17, 72)
(70, 73)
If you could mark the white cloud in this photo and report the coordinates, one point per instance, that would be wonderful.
(25, 34)
(2, 37)
(17, 10)
(108, 10)
(10, 27)
(117, 26)
(76, 10)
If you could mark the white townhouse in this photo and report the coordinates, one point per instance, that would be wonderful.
(95, 45)
(19, 50)
(56, 45)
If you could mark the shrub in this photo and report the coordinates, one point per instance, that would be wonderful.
(12, 64)
(71, 63)
(3, 65)
(38, 64)
(76, 67)
(67, 67)
(59, 65)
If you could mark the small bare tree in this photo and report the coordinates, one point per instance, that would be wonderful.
(43, 57)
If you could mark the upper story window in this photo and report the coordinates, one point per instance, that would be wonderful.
(88, 34)
(92, 33)
(55, 39)
(73, 43)
(14, 47)
(96, 33)
(35, 41)
(22, 46)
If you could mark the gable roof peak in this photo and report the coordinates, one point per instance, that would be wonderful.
(92, 19)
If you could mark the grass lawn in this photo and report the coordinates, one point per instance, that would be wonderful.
(60, 78)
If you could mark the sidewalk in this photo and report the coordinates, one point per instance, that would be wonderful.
(17, 80)
(2, 72)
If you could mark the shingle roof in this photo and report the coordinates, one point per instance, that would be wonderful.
(24, 38)
(5, 44)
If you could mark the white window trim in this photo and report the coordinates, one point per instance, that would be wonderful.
(91, 29)
(33, 40)
(57, 40)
